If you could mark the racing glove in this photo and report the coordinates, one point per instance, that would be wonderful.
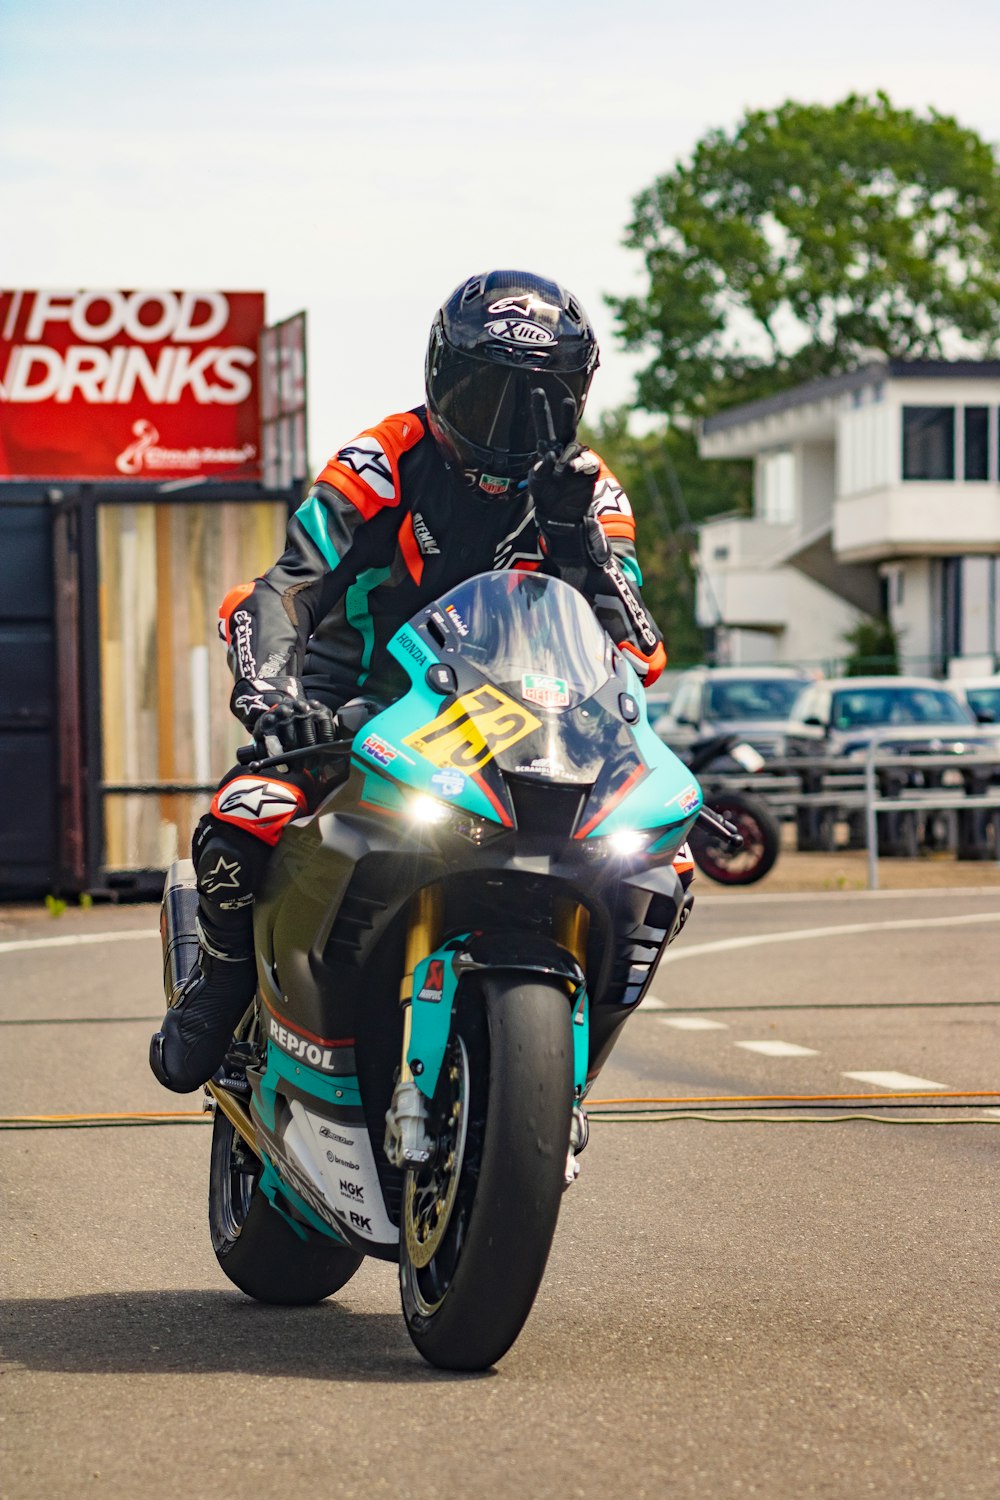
(561, 484)
(295, 724)
(279, 716)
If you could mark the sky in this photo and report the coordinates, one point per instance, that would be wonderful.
(359, 161)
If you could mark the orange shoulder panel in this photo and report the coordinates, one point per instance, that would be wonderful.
(366, 470)
(231, 604)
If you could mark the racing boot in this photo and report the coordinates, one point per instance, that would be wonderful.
(206, 1008)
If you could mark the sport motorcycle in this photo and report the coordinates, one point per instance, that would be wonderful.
(446, 949)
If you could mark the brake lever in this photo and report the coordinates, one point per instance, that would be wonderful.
(723, 828)
(249, 755)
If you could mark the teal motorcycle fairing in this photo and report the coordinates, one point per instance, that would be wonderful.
(517, 771)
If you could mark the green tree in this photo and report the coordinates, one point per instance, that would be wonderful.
(874, 648)
(803, 240)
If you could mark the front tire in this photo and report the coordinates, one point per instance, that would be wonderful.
(259, 1250)
(471, 1268)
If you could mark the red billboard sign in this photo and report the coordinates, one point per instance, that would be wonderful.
(129, 385)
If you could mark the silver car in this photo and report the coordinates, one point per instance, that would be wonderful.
(753, 702)
(841, 715)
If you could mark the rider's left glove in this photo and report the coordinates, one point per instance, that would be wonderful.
(561, 485)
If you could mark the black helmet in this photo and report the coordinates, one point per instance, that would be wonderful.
(497, 338)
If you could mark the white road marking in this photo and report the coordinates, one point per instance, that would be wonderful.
(677, 951)
(994, 1112)
(898, 1081)
(651, 1003)
(933, 893)
(72, 940)
(779, 1049)
(694, 1023)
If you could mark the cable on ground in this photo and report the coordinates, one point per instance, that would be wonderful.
(736, 1108)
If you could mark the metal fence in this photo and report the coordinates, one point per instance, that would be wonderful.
(891, 803)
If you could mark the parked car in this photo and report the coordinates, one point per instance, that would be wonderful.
(839, 716)
(752, 702)
(981, 694)
(660, 696)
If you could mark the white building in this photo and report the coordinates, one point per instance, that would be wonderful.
(875, 491)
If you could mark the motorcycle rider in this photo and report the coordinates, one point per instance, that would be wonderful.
(487, 474)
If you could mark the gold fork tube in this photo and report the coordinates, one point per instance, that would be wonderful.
(572, 926)
(422, 937)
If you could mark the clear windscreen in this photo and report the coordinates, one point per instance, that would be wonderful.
(535, 635)
(539, 645)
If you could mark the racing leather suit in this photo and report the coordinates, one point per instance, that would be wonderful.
(386, 528)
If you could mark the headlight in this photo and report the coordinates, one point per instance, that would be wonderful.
(623, 845)
(424, 811)
(627, 843)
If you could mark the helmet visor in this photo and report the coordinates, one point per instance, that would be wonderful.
(489, 404)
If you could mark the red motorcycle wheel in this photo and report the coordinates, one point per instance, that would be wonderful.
(761, 841)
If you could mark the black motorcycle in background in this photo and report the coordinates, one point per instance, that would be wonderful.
(713, 852)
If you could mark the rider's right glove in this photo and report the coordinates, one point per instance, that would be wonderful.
(279, 716)
(295, 724)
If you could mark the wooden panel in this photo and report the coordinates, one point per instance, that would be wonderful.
(164, 570)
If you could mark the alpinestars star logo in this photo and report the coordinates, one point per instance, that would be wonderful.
(225, 876)
(519, 545)
(368, 460)
(610, 499)
(257, 799)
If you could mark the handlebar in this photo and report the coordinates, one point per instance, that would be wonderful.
(250, 755)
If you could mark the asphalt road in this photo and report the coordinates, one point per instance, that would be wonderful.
(733, 1307)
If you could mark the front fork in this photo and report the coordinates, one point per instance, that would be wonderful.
(407, 1141)
(572, 928)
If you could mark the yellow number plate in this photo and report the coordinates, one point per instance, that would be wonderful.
(472, 729)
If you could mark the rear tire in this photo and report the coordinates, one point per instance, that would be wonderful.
(259, 1250)
(469, 1271)
(761, 841)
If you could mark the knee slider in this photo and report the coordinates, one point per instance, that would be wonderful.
(228, 865)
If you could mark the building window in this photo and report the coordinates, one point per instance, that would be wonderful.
(977, 447)
(891, 588)
(776, 495)
(928, 442)
(951, 606)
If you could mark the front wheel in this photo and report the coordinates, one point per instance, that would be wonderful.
(477, 1223)
(761, 841)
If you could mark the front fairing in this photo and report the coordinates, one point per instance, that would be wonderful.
(514, 681)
